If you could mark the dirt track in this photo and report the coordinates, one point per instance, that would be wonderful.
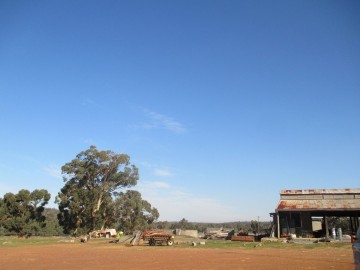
(82, 256)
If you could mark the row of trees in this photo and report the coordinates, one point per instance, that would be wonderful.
(92, 198)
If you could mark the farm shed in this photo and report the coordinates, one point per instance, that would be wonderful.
(298, 210)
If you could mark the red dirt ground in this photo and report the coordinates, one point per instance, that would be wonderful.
(83, 256)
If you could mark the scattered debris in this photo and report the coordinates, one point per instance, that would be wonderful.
(84, 239)
(220, 233)
(107, 233)
(243, 238)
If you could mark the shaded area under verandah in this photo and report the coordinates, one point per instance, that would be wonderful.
(305, 213)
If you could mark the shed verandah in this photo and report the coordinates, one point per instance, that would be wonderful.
(299, 211)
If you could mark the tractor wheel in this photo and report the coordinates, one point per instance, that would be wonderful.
(170, 242)
(152, 242)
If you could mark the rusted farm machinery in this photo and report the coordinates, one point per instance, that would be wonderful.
(103, 233)
(153, 237)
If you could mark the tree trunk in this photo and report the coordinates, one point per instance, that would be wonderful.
(97, 205)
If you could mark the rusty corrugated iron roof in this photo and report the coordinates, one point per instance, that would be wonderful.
(320, 191)
(336, 205)
(319, 199)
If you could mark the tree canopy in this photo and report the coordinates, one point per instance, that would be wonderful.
(21, 213)
(52, 227)
(85, 201)
(133, 213)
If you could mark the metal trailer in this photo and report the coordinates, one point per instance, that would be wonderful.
(153, 237)
(158, 237)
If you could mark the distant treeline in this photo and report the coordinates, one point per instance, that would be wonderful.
(52, 228)
(252, 226)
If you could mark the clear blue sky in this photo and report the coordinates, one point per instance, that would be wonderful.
(221, 104)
